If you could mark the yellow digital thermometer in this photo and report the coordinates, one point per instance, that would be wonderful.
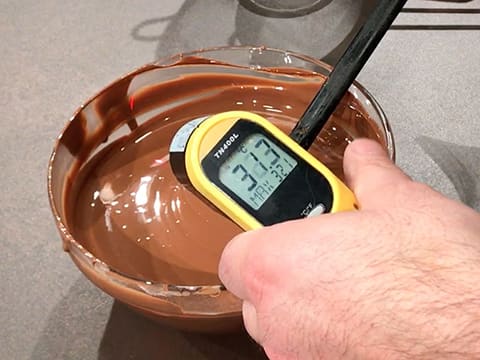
(253, 172)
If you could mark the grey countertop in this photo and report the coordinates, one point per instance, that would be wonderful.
(55, 54)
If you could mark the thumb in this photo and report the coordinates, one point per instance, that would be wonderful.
(371, 174)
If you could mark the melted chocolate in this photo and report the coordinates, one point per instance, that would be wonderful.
(127, 208)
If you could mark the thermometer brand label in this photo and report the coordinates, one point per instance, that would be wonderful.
(226, 145)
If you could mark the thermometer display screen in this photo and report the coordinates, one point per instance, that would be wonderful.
(256, 169)
(261, 174)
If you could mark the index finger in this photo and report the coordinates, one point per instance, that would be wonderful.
(255, 263)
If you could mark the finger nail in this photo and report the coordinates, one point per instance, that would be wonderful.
(366, 147)
(224, 263)
(250, 320)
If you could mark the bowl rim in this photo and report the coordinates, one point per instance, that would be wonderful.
(266, 10)
(160, 289)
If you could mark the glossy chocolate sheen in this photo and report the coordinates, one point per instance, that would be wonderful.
(126, 207)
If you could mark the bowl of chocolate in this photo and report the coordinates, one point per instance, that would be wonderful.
(125, 220)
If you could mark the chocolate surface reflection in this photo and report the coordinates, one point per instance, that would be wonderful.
(127, 208)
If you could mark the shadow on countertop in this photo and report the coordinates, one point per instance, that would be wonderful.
(87, 324)
(130, 336)
(324, 33)
(461, 165)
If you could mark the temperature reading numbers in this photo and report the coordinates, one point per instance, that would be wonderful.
(256, 169)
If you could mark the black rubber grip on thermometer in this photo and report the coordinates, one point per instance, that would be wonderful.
(345, 72)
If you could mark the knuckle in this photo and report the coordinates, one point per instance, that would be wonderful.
(420, 189)
(412, 191)
(374, 164)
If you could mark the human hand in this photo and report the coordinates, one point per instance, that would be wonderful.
(400, 278)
